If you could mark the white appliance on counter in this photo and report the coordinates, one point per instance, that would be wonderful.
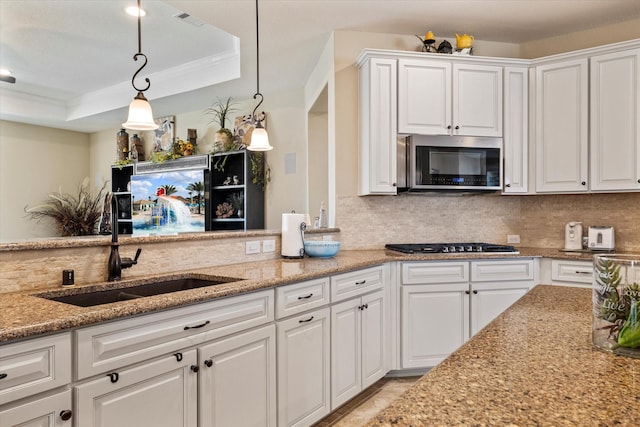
(601, 238)
(573, 236)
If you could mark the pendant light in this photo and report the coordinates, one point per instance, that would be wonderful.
(140, 115)
(259, 136)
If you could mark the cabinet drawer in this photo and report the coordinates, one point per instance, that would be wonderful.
(502, 270)
(299, 297)
(113, 345)
(571, 271)
(415, 273)
(33, 366)
(356, 283)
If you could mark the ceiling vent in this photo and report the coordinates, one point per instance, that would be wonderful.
(185, 17)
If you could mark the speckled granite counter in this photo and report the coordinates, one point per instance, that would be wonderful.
(533, 366)
(24, 315)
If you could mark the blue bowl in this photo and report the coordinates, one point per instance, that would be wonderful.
(321, 249)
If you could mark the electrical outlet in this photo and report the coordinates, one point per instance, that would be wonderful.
(252, 247)
(513, 238)
(268, 246)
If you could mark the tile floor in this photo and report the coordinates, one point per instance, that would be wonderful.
(364, 406)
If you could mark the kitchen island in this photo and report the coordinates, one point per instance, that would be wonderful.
(533, 366)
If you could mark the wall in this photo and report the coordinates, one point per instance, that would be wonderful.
(583, 39)
(29, 157)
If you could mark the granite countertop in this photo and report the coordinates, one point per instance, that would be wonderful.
(24, 315)
(533, 366)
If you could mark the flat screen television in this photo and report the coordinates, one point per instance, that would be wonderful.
(169, 202)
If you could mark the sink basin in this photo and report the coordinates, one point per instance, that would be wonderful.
(91, 298)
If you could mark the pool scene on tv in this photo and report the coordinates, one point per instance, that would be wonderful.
(168, 202)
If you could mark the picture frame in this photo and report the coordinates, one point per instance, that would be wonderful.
(165, 134)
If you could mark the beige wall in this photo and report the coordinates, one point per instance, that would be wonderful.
(583, 39)
(29, 157)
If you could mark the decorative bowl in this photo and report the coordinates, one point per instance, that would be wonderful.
(321, 248)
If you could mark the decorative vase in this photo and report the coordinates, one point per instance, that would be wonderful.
(187, 152)
(136, 144)
(224, 139)
(240, 213)
(122, 145)
(616, 303)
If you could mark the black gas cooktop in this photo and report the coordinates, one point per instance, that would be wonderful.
(450, 248)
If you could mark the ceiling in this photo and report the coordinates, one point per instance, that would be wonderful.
(73, 59)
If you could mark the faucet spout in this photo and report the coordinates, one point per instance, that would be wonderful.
(116, 264)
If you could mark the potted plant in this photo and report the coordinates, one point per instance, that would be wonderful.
(73, 215)
(237, 201)
(220, 112)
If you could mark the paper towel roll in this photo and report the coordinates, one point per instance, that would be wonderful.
(292, 245)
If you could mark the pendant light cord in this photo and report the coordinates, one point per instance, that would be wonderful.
(258, 94)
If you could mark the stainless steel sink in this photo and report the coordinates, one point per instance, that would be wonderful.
(91, 298)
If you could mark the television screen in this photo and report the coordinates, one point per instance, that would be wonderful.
(168, 202)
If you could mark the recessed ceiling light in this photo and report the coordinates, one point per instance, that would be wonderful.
(4, 72)
(133, 11)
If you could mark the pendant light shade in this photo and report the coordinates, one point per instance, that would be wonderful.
(259, 136)
(140, 114)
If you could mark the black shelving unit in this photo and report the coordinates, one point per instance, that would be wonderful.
(224, 168)
(120, 179)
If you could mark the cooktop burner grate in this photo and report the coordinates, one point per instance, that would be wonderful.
(450, 248)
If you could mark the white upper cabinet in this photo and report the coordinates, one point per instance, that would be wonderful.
(615, 121)
(377, 166)
(447, 98)
(516, 130)
(562, 127)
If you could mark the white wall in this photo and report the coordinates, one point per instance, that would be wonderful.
(34, 162)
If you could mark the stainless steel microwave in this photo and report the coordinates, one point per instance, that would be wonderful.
(453, 163)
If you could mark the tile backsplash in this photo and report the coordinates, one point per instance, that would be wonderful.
(370, 222)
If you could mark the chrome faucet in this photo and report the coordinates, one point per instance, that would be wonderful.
(116, 264)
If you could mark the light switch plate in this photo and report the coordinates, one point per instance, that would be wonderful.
(252, 247)
(268, 246)
(513, 238)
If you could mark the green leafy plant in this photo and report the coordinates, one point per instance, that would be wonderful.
(236, 200)
(74, 215)
(220, 111)
(260, 170)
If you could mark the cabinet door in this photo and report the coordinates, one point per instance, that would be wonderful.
(158, 393)
(615, 121)
(516, 130)
(237, 373)
(477, 100)
(45, 412)
(561, 127)
(488, 301)
(303, 368)
(373, 338)
(435, 322)
(378, 127)
(346, 370)
(424, 97)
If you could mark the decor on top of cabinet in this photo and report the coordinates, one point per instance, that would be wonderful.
(464, 44)
(428, 43)
(165, 134)
(179, 148)
(224, 138)
(73, 215)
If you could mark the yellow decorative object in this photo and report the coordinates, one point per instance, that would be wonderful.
(464, 41)
(429, 37)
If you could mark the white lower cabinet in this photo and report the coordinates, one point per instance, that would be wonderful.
(161, 392)
(357, 346)
(237, 384)
(303, 368)
(49, 411)
(443, 304)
